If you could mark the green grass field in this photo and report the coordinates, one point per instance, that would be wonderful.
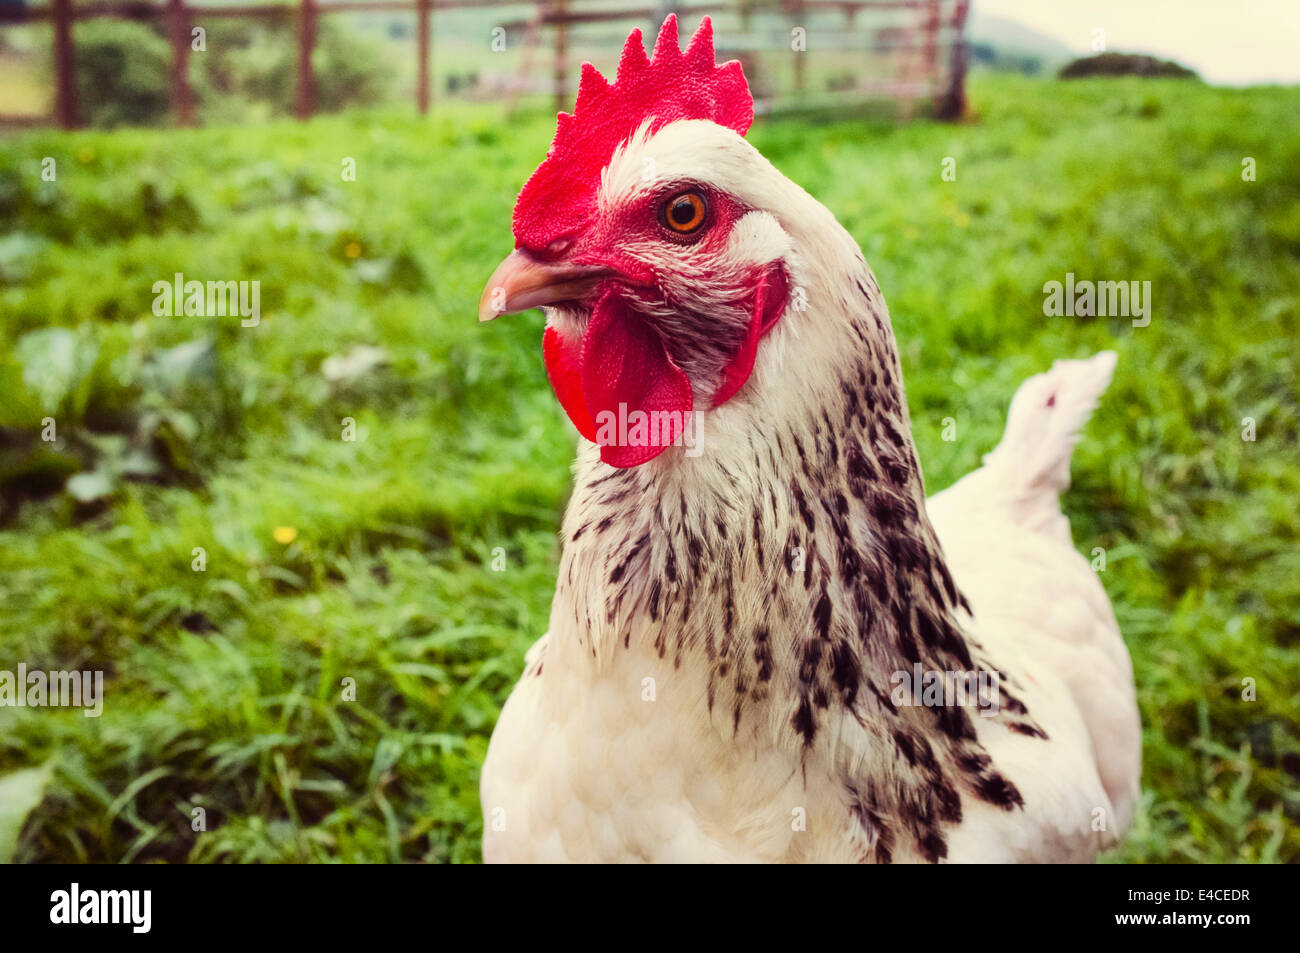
(371, 560)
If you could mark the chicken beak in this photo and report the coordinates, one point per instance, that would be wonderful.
(524, 281)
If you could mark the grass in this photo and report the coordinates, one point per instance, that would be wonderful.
(325, 687)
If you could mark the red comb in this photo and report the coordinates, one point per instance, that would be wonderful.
(672, 85)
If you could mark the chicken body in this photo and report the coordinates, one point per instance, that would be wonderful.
(624, 761)
(742, 628)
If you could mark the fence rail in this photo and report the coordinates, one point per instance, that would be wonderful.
(937, 19)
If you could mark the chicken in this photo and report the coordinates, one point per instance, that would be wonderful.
(765, 643)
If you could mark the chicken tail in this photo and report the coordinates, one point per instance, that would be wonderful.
(1047, 413)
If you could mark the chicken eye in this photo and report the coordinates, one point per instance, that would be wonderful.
(684, 213)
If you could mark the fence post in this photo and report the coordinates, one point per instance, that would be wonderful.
(65, 70)
(931, 45)
(796, 10)
(561, 52)
(952, 104)
(422, 52)
(306, 40)
(182, 95)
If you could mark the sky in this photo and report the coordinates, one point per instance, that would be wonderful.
(1233, 42)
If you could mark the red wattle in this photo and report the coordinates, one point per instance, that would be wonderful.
(622, 389)
(767, 307)
(626, 369)
(564, 369)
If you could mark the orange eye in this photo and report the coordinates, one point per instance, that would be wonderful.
(684, 213)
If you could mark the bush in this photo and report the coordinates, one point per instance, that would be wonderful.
(122, 74)
(1005, 60)
(254, 67)
(249, 70)
(1124, 64)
